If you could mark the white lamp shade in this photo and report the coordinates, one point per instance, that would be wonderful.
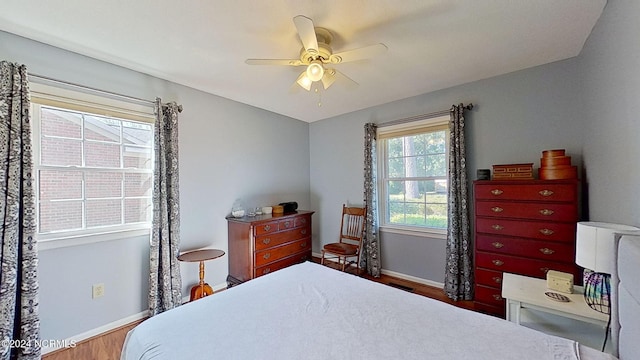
(596, 245)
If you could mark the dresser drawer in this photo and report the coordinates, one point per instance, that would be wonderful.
(532, 211)
(270, 240)
(266, 228)
(302, 221)
(543, 250)
(530, 229)
(529, 192)
(489, 295)
(286, 224)
(274, 254)
(489, 278)
(519, 265)
(281, 264)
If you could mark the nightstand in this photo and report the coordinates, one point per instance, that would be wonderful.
(526, 304)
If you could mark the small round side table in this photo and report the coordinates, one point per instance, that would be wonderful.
(202, 289)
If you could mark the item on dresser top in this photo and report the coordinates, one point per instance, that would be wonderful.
(278, 209)
(483, 174)
(560, 281)
(290, 206)
(267, 210)
(513, 172)
(555, 165)
(237, 210)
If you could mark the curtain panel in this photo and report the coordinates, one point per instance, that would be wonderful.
(165, 283)
(459, 271)
(19, 274)
(370, 259)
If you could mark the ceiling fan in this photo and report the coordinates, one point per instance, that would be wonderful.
(316, 54)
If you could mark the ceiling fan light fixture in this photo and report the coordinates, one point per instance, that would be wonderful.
(304, 81)
(315, 70)
(328, 78)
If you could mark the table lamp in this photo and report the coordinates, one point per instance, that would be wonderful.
(596, 252)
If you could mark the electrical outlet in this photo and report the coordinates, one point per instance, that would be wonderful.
(98, 290)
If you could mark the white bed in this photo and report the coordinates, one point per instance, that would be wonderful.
(308, 311)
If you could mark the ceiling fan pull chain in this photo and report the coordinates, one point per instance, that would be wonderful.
(319, 97)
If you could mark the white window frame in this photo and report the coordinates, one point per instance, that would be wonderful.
(92, 102)
(386, 132)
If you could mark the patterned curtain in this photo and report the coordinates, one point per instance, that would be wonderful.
(19, 273)
(370, 259)
(165, 283)
(459, 271)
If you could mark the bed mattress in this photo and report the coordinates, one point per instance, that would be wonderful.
(308, 311)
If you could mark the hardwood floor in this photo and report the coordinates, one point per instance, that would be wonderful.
(108, 346)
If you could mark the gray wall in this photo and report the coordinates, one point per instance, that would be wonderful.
(515, 117)
(610, 68)
(227, 150)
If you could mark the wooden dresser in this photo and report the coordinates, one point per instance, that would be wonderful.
(261, 244)
(522, 227)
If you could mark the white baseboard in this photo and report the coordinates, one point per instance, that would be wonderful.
(399, 275)
(112, 325)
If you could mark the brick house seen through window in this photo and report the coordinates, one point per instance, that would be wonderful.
(94, 172)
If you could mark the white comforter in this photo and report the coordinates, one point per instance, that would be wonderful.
(308, 311)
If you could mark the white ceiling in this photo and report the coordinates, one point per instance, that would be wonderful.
(433, 44)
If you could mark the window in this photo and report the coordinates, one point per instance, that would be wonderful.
(94, 168)
(413, 175)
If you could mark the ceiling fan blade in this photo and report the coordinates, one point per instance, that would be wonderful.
(287, 62)
(358, 54)
(307, 33)
(345, 79)
(328, 78)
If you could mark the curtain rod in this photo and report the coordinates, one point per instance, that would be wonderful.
(83, 87)
(422, 117)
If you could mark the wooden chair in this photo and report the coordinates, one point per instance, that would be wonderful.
(351, 234)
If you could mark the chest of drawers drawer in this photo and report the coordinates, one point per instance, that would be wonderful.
(527, 191)
(519, 265)
(269, 240)
(281, 264)
(529, 229)
(489, 278)
(543, 250)
(276, 253)
(565, 212)
(489, 295)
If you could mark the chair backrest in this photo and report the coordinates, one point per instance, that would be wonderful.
(352, 225)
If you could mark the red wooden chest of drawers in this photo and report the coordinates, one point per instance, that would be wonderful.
(262, 244)
(522, 227)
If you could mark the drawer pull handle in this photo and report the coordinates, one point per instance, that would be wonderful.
(266, 271)
(497, 297)
(546, 232)
(497, 227)
(303, 221)
(547, 251)
(497, 279)
(266, 241)
(497, 245)
(497, 209)
(497, 192)
(266, 256)
(303, 232)
(303, 244)
(287, 224)
(267, 227)
(544, 269)
(545, 192)
(546, 212)
(497, 262)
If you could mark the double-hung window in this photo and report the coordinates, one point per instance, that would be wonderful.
(412, 175)
(94, 165)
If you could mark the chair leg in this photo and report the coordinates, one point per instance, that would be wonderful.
(322, 258)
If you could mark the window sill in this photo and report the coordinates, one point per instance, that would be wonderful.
(76, 240)
(412, 231)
